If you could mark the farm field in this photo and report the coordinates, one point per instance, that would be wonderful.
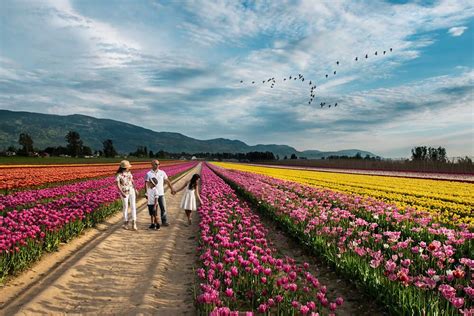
(37, 220)
(28, 161)
(401, 257)
(447, 202)
(16, 177)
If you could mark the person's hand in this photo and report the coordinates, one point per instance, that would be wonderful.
(156, 207)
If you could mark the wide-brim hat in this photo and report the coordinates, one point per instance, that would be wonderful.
(125, 164)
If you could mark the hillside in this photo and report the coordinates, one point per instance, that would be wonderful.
(49, 130)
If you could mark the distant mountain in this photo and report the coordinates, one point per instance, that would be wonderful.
(50, 130)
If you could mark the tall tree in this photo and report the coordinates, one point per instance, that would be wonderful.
(74, 143)
(26, 142)
(109, 150)
(442, 156)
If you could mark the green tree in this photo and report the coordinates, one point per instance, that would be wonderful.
(419, 153)
(86, 151)
(442, 156)
(293, 156)
(74, 143)
(26, 142)
(109, 150)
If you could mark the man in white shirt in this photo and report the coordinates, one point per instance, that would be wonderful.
(161, 176)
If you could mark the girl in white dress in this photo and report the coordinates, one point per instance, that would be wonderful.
(188, 203)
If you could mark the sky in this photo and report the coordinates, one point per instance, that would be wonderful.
(176, 66)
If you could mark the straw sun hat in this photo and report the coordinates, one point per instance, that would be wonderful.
(125, 164)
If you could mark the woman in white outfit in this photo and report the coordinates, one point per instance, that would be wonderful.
(127, 191)
(188, 203)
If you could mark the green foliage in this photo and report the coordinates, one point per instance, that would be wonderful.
(109, 149)
(26, 142)
(74, 144)
(423, 153)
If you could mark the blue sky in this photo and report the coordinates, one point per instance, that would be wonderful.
(176, 66)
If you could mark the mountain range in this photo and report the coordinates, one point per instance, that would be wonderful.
(50, 130)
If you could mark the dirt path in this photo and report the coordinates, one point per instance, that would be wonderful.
(118, 272)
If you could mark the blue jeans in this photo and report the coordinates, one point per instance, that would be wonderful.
(162, 204)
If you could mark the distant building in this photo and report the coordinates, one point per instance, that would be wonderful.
(193, 158)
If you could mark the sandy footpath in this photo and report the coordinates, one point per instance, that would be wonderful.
(109, 270)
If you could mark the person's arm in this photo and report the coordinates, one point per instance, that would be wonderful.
(184, 185)
(198, 193)
(133, 183)
(119, 188)
(170, 186)
(156, 202)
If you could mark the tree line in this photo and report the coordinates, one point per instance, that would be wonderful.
(142, 152)
(74, 147)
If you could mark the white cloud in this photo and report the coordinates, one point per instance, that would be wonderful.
(457, 30)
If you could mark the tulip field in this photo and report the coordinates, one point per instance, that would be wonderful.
(18, 177)
(36, 220)
(240, 270)
(447, 202)
(405, 258)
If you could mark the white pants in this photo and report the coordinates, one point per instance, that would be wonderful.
(130, 197)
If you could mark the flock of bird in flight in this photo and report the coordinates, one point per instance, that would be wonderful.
(312, 85)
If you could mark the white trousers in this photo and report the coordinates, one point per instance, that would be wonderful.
(129, 198)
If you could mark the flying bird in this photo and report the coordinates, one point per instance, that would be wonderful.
(356, 59)
(241, 81)
(390, 49)
(366, 56)
(335, 104)
(384, 52)
(334, 72)
(337, 62)
(375, 53)
(326, 75)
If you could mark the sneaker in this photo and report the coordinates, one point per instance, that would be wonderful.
(152, 226)
(134, 225)
(157, 226)
(125, 225)
(165, 224)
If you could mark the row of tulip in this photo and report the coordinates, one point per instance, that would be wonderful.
(26, 234)
(416, 269)
(449, 202)
(240, 269)
(23, 199)
(14, 178)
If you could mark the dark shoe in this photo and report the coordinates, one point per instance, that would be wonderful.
(157, 226)
(165, 224)
(152, 226)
